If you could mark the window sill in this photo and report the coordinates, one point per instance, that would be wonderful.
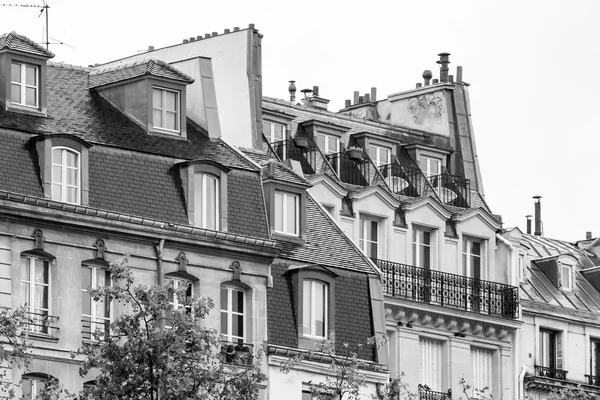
(288, 238)
(41, 336)
(33, 111)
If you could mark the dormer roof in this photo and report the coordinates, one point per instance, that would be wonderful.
(16, 42)
(146, 67)
(276, 171)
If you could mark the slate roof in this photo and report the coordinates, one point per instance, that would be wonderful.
(14, 41)
(583, 303)
(272, 169)
(149, 66)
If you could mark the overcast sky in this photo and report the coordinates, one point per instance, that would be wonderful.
(531, 65)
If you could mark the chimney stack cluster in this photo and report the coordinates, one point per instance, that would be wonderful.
(444, 62)
(366, 98)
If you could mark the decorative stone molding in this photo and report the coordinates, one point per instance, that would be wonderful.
(464, 326)
(100, 248)
(476, 329)
(438, 321)
(425, 319)
(183, 262)
(412, 317)
(38, 235)
(237, 270)
(451, 324)
(388, 312)
(489, 331)
(502, 333)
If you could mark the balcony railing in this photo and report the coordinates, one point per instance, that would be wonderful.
(349, 170)
(42, 323)
(449, 290)
(452, 190)
(306, 156)
(425, 393)
(548, 372)
(237, 353)
(593, 380)
(403, 180)
(94, 330)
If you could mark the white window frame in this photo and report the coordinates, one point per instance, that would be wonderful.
(482, 369)
(36, 314)
(164, 111)
(204, 213)
(177, 284)
(378, 155)
(309, 315)
(94, 318)
(284, 228)
(416, 241)
(569, 268)
(466, 251)
(428, 170)
(327, 149)
(429, 373)
(271, 134)
(228, 310)
(37, 384)
(364, 242)
(23, 84)
(63, 166)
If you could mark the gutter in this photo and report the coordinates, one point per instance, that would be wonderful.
(521, 383)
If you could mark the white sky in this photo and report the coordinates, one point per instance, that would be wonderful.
(525, 60)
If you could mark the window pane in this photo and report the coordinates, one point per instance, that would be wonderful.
(157, 98)
(278, 132)
(25, 289)
(238, 326)
(72, 195)
(171, 101)
(157, 117)
(25, 269)
(86, 278)
(57, 174)
(31, 96)
(71, 159)
(279, 212)
(27, 386)
(237, 301)
(72, 176)
(291, 214)
(171, 121)
(306, 306)
(41, 271)
(15, 93)
(100, 308)
(373, 231)
(224, 298)
(210, 202)
(15, 72)
(56, 192)
(31, 76)
(319, 309)
(476, 248)
(41, 297)
(224, 327)
(267, 130)
(86, 303)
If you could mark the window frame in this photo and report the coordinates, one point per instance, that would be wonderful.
(23, 84)
(311, 316)
(271, 134)
(548, 355)
(164, 111)
(284, 211)
(92, 316)
(229, 337)
(29, 305)
(64, 150)
(439, 381)
(201, 216)
(468, 257)
(365, 243)
(475, 352)
(570, 270)
(377, 152)
(416, 243)
(35, 379)
(427, 159)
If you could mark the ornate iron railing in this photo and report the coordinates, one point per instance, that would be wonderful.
(306, 156)
(237, 353)
(452, 190)
(593, 380)
(425, 393)
(42, 323)
(403, 180)
(93, 330)
(355, 171)
(548, 372)
(449, 290)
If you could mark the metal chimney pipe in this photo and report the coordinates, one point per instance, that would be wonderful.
(444, 61)
(373, 94)
(459, 73)
(528, 224)
(427, 75)
(292, 90)
(316, 91)
(356, 97)
(538, 216)
(588, 235)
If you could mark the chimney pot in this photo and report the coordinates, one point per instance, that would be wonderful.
(236, 28)
(360, 99)
(588, 235)
(427, 75)
(215, 33)
(251, 26)
(444, 61)
(419, 84)
(373, 94)
(199, 37)
(538, 216)
(459, 73)
(528, 224)
(355, 97)
(292, 90)
(367, 98)
(185, 40)
(150, 48)
(316, 91)
(227, 30)
(348, 103)
(434, 81)
(207, 35)
(192, 39)
(451, 78)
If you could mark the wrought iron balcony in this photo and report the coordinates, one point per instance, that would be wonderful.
(355, 171)
(452, 190)
(94, 330)
(403, 180)
(306, 156)
(593, 380)
(449, 290)
(548, 372)
(425, 393)
(42, 323)
(237, 353)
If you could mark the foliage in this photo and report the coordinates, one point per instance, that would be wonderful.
(475, 393)
(572, 392)
(13, 344)
(397, 389)
(153, 352)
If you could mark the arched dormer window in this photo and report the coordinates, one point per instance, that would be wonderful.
(33, 384)
(66, 175)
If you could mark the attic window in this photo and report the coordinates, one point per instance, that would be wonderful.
(24, 84)
(165, 109)
(566, 277)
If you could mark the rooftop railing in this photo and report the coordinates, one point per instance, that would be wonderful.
(452, 190)
(593, 380)
(449, 290)
(355, 171)
(425, 393)
(94, 330)
(548, 372)
(306, 156)
(403, 180)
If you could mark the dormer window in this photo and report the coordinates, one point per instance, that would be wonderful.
(380, 155)
(566, 276)
(65, 175)
(273, 131)
(206, 201)
(287, 213)
(165, 109)
(24, 84)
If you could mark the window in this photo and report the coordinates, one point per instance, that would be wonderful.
(33, 384)
(273, 131)
(314, 308)
(165, 109)
(206, 201)
(307, 394)
(65, 175)
(521, 268)
(95, 315)
(472, 257)
(24, 89)
(232, 314)
(430, 166)
(287, 213)
(566, 277)
(380, 155)
(595, 361)
(179, 300)
(328, 144)
(422, 244)
(369, 236)
(481, 369)
(550, 351)
(430, 363)
(35, 288)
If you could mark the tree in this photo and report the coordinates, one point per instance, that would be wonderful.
(156, 353)
(13, 345)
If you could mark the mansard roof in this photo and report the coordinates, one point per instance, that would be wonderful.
(16, 42)
(146, 67)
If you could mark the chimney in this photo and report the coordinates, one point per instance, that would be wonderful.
(434, 81)
(348, 103)
(444, 61)
(150, 48)
(292, 90)
(367, 98)
(356, 97)
(427, 75)
(373, 94)
(316, 91)
(538, 216)
(418, 85)
(459, 74)
(528, 224)
(588, 235)
(316, 101)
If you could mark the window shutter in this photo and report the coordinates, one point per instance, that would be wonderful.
(481, 368)
(559, 350)
(430, 362)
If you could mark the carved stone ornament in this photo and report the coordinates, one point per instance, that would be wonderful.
(451, 324)
(439, 321)
(183, 262)
(100, 248)
(425, 319)
(237, 270)
(489, 331)
(477, 329)
(388, 312)
(38, 235)
(412, 317)
(399, 314)
(464, 326)
(502, 334)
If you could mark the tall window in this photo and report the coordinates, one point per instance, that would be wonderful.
(328, 144)
(422, 247)
(481, 369)
(95, 315)
(232, 314)
(430, 166)
(566, 277)
(165, 109)
(430, 363)
(369, 231)
(287, 213)
(548, 348)
(314, 308)
(33, 384)
(35, 287)
(472, 257)
(380, 155)
(206, 201)
(181, 296)
(273, 131)
(595, 360)
(24, 89)
(65, 175)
